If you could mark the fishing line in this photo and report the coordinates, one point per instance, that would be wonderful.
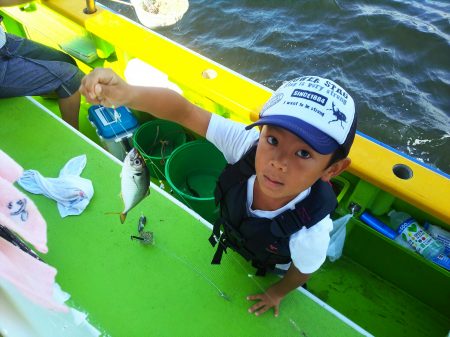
(262, 289)
(195, 269)
(173, 255)
(290, 320)
(162, 174)
(155, 166)
(189, 265)
(116, 116)
(221, 293)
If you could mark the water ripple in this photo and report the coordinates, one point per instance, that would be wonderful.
(392, 56)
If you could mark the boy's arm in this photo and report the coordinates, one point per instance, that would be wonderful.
(273, 296)
(103, 86)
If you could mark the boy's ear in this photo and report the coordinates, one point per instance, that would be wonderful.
(336, 169)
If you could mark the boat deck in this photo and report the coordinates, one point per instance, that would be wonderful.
(170, 288)
(129, 289)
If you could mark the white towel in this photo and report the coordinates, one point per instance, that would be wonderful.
(71, 192)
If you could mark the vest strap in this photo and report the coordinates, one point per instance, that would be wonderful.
(260, 270)
(212, 240)
(285, 224)
(263, 241)
(215, 236)
(221, 248)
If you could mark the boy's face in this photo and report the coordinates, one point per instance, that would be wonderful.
(285, 166)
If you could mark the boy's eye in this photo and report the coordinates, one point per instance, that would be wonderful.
(272, 140)
(303, 154)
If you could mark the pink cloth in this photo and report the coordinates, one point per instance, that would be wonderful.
(9, 169)
(30, 276)
(19, 214)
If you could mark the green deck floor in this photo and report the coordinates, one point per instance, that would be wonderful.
(168, 289)
(375, 304)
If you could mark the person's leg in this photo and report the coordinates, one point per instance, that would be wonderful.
(70, 107)
(37, 51)
(22, 77)
(43, 74)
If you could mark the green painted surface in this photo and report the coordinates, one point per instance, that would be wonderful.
(169, 289)
(376, 305)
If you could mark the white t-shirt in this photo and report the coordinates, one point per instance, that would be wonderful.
(308, 246)
(2, 37)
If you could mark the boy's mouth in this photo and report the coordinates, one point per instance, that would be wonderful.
(272, 181)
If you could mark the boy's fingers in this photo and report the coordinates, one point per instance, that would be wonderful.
(254, 297)
(262, 310)
(256, 307)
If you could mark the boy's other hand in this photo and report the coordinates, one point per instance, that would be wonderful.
(103, 86)
(265, 301)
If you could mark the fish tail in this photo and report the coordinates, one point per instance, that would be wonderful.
(123, 216)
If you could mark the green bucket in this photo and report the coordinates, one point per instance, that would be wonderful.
(155, 141)
(192, 172)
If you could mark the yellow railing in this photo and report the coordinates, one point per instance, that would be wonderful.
(240, 96)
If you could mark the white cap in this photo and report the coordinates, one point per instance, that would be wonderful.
(315, 109)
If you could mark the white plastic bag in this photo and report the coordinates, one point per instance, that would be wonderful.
(337, 238)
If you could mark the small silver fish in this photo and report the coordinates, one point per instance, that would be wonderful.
(135, 181)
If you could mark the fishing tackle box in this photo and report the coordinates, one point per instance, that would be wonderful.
(114, 127)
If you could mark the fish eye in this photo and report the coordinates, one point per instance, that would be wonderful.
(137, 161)
(20, 202)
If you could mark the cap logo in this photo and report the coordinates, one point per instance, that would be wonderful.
(271, 102)
(310, 96)
(316, 110)
(340, 116)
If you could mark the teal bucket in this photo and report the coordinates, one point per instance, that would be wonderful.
(155, 141)
(192, 172)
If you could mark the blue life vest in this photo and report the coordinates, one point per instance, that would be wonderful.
(263, 241)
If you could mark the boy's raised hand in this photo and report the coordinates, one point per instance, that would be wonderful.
(103, 86)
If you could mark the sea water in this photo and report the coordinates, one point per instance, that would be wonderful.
(392, 57)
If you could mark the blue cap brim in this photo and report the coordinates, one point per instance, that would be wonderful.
(315, 138)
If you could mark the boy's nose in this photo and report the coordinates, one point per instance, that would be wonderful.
(279, 164)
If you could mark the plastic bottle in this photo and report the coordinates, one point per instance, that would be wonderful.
(439, 234)
(378, 225)
(415, 235)
(442, 260)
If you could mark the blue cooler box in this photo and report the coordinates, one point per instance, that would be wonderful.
(114, 127)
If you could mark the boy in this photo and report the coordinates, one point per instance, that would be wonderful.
(280, 211)
(28, 68)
